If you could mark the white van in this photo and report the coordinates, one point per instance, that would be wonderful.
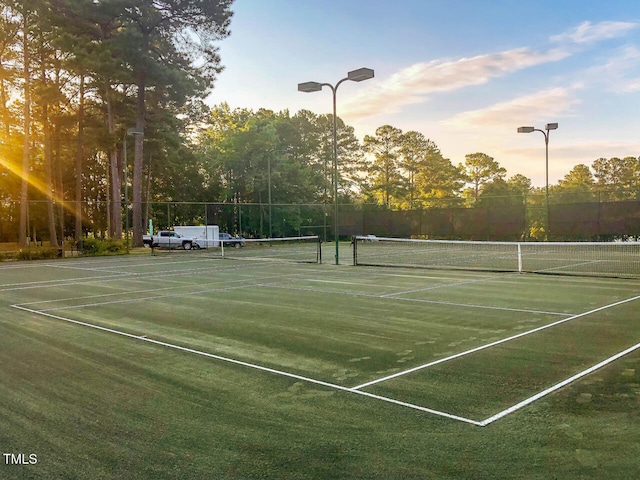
(204, 235)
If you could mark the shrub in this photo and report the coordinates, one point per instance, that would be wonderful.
(99, 246)
(39, 254)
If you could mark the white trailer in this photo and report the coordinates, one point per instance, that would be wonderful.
(204, 235)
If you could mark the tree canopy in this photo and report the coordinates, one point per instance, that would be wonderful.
(82, 79)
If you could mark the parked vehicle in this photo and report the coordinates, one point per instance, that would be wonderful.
(231, 241)
(204, 236)
(169, 239)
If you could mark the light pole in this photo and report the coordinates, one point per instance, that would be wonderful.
(269, 179)
(545, 132)
(355, 76)
(130, 131)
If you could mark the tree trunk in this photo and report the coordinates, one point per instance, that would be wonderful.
(48, 174)
(24, 192)
(79, 156)
(137, 163)
(115, 169)
(147, 198)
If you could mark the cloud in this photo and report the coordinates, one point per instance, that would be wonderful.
(619, 73)
(632, 86)
(585, 151)
(413, 84)
(588, 32)
(545, 104)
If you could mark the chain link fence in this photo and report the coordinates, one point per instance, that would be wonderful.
(599, 218)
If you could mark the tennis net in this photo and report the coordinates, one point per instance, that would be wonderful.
(306, 249)
(615, 259)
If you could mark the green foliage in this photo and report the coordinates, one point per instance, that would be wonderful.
(38, 254)
(99, 246)
(481, 169)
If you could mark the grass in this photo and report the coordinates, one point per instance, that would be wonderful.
(93, 404)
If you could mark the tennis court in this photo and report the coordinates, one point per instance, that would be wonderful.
(461, 345)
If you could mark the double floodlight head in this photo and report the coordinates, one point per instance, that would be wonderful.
(355, 76)
(547, 127)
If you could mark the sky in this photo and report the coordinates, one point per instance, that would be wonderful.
(464, 73)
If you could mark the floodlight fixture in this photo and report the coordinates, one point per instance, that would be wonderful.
(355, 76)
(309, 87)
(545, 132)
(360, 74)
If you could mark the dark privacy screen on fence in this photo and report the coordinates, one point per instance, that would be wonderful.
(567, 221)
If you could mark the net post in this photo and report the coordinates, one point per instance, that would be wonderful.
(354, 243)
(519, 257)
(222, 248)
(319, 252)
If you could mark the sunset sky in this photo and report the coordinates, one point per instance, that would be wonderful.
(466, 74)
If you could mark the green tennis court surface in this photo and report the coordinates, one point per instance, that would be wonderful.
(188, 353)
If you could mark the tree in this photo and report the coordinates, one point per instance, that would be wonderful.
(500, 192)
(617, 178)
(384, 179)
(414, 150)
(481, 169)
(168, 44)
(576, 186)
(438, 181)
(26, 16)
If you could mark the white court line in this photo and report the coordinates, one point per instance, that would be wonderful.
(435, 287)
(144, 338)
(492, 344)
(558, 386)
(487, 307)
(177, 286)
(109, 278)
(563, 267)
(155, 297)
(435, 302)
(136, 292)
(9, 287)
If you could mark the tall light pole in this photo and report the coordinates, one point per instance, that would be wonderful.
(130, 131)
(355, 76)
(545, 132)
(269, 180)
